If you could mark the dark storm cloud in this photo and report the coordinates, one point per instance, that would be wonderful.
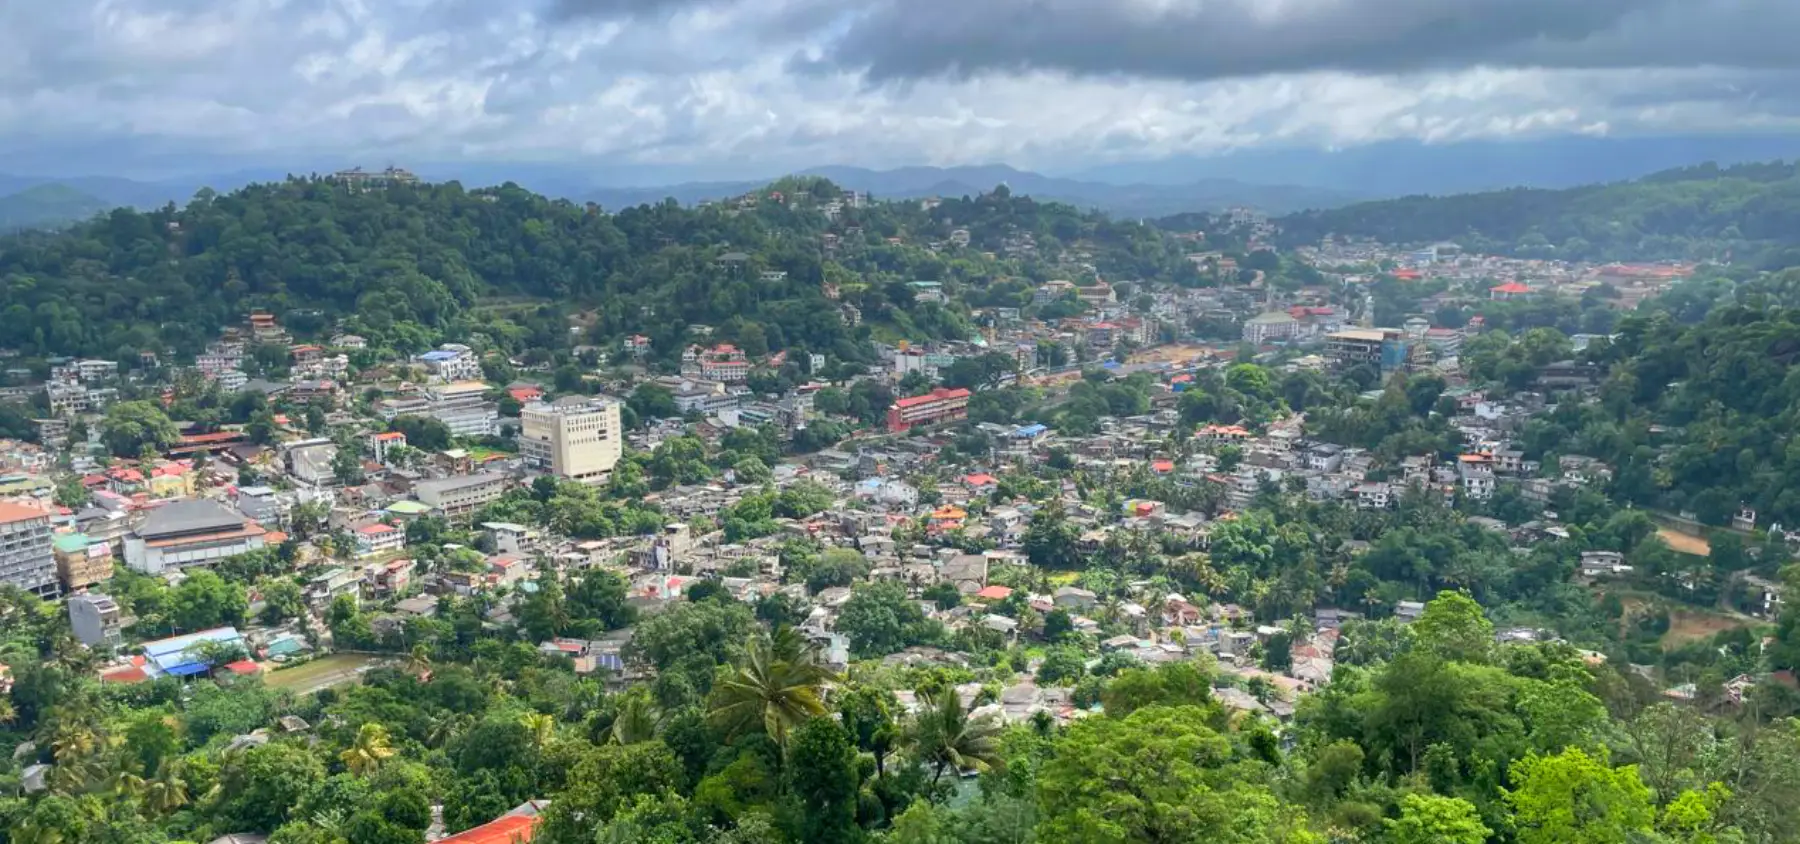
(1216, 39)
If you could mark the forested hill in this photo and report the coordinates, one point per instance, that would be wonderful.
(1749, 212)
(411, 264)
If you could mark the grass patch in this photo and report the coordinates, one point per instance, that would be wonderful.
(314, 672)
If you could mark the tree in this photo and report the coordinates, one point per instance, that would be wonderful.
(653, 401)
(1430, 819)
(1155, 775)
(751, 471)
(205, 600)
(947, 739)
(370, 749)
(1574, 798)
(1050, 541)
(1453, 627)
(767, 694)
(1062, 666)
(713, 630)
(1278, 653)
(822, 774)
(282, 600)
(880, 619)
(132, 426)
(260, 787)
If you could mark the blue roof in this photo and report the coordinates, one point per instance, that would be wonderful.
(1031, 430)
(439, 355)
(176, 656)
(177, 644)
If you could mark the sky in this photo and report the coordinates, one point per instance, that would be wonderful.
(716, 88)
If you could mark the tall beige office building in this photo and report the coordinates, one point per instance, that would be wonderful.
(575, 437)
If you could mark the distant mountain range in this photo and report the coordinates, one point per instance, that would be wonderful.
(1403, 168)
(1278, 181)
(47, 206)
(1124, 200)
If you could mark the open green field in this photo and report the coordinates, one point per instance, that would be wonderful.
(321, 673)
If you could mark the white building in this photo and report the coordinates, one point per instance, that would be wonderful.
(1271, 327)
(577, 437)
(459, 496)
(451, 362)
(27, 556)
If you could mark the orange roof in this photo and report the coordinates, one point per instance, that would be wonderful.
(980, 479)
(10, 512)
(376, 528)
(1163, 466)
(510, 829)
(994, 593)
(939, 394)
(274, 537)
(242, 666)
(1511, 287)
(390, 436)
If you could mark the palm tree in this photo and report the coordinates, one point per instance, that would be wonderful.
(371, 747)
(30, 833)
(945, 736)
(444, 728)
(542, 728)
(638, 720)
(7, 712)
(767, 693)
(418, 662)
(167, 791)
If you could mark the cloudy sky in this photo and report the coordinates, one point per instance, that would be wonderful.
(760, 85)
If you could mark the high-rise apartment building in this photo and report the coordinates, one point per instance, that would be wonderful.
(576, 437)
(27, 555)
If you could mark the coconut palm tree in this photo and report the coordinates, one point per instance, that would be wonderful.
(945, 737)
(167, 791)
(418, 662)
(542, 728)
(368, 751)
(638, 720)
(768, 694)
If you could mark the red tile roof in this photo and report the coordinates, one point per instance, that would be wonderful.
(377, 528)
(939, 394)
(1511, 287)
(511, 829)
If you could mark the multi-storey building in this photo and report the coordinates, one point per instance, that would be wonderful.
(576, 437)
(457, 497)
(96, 619)
(182, 534)
(1271, 327)
(464, 409)
(81, 562)
(934, 408)
(27, 557)
(724, 362)
(451, 362)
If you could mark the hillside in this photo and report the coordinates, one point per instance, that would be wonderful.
(407, 266)
(47, 206)
(1750, 213)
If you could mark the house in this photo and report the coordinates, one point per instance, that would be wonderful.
(1074, 598)
(1408, 611)
(379, 538)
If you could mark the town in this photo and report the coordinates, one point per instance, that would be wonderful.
(1270, 466)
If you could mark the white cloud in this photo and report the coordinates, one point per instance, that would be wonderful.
(769, 85)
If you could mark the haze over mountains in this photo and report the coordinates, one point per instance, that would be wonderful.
(1275, 180)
